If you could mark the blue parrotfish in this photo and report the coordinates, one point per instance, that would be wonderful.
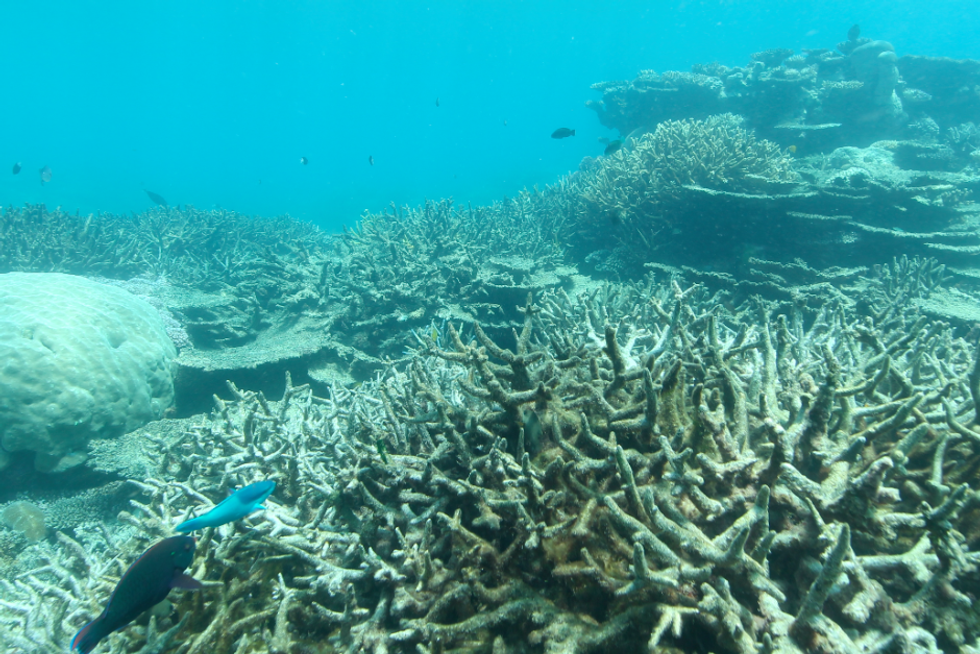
(145, 584)
(236, 506)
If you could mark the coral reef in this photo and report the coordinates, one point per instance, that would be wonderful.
(284, 297)
(708, 193)
(226, 285)
(241, 293)
(642, 467)
(755, 439)
(212, 250)
(952, 84)
(815, 101)
(26, 518)
(411, 266)
(874, 66)
(81, 360)
(632, 199)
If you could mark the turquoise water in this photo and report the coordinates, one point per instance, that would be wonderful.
(214, 106)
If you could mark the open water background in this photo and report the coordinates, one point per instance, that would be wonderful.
(214, 103)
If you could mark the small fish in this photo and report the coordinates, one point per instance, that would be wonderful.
(854, 32)
(792, 149)
(45, 175)
(613, 146)
(304, 160)
(371, 160)
(157, 198)
(17, 167)
(380, 444)
(236, 506)
(562, 133)
(505, 123)
(145, 584)
(437, 102)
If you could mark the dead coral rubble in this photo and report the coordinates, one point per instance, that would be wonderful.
(639, 469)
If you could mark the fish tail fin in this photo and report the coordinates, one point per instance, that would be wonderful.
(189, 525)
(573, 132)
(88, 637)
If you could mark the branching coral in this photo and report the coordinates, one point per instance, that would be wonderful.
(212, 249)
(638, 466)
(410, 266)
(716, 153)
(633, 199)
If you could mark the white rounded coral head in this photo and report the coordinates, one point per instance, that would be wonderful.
(78, 360)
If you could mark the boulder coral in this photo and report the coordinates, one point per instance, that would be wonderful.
(78, 361)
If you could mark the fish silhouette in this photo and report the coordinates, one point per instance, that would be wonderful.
(145, 584)
(45, 175)
(157, 198)
(613, 146)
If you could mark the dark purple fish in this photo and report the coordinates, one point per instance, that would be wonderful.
(144, 585)
(16, 167)
(45, 175)
(157, 198)
(562, 133)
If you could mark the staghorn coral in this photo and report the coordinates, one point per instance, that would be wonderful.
(715, 153)
(964, 139)
(58, 587)
(639, 465)
(408, 266)
(211, 249)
